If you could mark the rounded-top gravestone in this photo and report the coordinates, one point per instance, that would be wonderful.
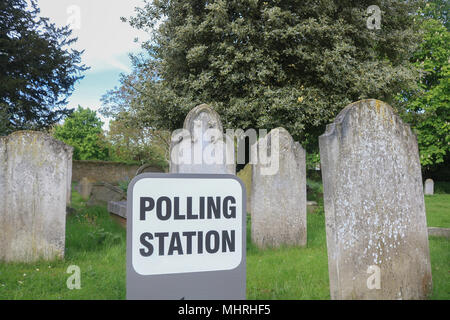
(376, 226)
(278, 191)
(429, 187)
(200, 147)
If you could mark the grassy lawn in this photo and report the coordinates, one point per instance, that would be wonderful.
(438, 210)
(97, 244)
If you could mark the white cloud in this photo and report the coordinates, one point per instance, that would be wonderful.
(100, 32)
(105, 39)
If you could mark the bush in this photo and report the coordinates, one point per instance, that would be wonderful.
(442, 187)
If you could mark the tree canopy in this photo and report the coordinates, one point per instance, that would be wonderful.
(263, 64)
(428, 108)
(37, 68)
(83, 131)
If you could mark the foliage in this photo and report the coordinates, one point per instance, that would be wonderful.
(123, 185)
(314, 190)
(83, 131)
(312, 160)
(441, 187)
(37, 69)
(131, 142)
(428, 109)
(438, 10)
(264, 64)
(100, 236)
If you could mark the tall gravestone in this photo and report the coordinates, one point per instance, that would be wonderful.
(200, 147)
(278, 196)
(34, 180)
(429, 187)
(376, 228)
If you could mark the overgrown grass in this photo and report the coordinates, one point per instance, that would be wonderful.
(94, 242)
(97, 244)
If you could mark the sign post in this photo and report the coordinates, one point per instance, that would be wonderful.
(186, 237)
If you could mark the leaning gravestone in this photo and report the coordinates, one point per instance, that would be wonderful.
(429, 187)
(102, 193)
(278, 196)
(376, 228)
(200, 147)
(34, 176)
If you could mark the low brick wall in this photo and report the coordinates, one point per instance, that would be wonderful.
(106, 171)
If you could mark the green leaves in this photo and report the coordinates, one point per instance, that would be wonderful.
(428, 108)
(37, 71)
(83, 131)
(253, 60)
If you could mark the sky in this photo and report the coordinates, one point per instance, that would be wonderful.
(107, 41)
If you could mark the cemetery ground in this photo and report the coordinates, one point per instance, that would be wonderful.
(97, 243)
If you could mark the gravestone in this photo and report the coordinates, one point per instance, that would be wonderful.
(374, 206)
(278, 196)
(118, 208)
(102, 193)
(34, 179)
(118, 211)
(85, 188)
(200, 147)
(429, 187)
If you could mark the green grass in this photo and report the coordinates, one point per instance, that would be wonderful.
(290, 272)
(94, 242)
(97, 244)
(438, 210)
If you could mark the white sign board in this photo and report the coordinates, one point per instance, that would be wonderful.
(185, 224)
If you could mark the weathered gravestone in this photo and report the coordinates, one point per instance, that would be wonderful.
(85, 188)
(102, 193)
(429, 187)
(374, 205)
(200, 147)
(278, 197)
(34, 176)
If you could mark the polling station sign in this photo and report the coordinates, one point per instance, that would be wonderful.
(186, 237)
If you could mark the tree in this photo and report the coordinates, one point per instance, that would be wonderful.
(428, 109)
(83, 131)
(37, 70)
(129, 142)
(263, 64)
